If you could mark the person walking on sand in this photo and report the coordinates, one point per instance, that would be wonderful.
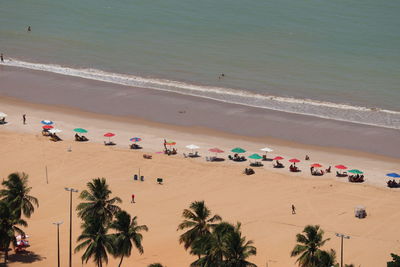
(24, 119)
(293, 209)
(133, 198)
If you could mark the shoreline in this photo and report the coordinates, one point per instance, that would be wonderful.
(188, 111)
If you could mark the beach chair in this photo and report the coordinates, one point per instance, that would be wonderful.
(142, 178)
(184, 155)
(109, 143)
(135, 177)
(207, 159)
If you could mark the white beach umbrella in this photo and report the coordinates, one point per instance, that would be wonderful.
(53, 131)
(192, 147)
(266, 149)
(2, 114)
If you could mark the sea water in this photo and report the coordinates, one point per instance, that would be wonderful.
(334, 59)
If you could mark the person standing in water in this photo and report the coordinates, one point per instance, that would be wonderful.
(24, 119)
(1, 57)
(29, 28)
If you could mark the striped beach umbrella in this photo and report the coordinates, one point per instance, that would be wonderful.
(47, 122)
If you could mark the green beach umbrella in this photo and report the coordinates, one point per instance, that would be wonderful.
(238, 150)
(356, 171)
(255, 156)
(80, 130)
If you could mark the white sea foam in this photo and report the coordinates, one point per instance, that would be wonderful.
(342, 112)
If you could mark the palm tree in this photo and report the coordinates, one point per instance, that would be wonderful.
(96, 240)
(9, 223)
(128, 231)
(237, 250)
(16, 194)
(326, 258)
(308, 247)
(199, 221)
(224, 247)
(98, 203)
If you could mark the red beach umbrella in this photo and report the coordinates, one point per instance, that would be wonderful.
(277, 158)
(341, 167)
(316, 165)
(109, 135)
(216, 150)
(47, 127)
(294, 160)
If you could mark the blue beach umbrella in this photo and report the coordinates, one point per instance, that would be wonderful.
(393, 175)
(136, 139)
(47, 122)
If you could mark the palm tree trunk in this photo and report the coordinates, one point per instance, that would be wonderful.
(6, 255)
(120, 263)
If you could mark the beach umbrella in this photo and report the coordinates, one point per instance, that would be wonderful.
(135, 139)
(266, 149)
(238, 150)
(47, 122)
(80, 130)
(255, 156)
(341, 167)
(47, 127)
(278, 158)
(109, 135)
(393, 175)
(192, 147)
(53, 131)
(294, 161)
(170, 143)
(316, 165)
(216, 150)
(3, 115)
(356, 171)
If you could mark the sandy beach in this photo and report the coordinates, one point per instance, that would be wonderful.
(261, 202)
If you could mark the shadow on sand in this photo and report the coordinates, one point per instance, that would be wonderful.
(23, 257)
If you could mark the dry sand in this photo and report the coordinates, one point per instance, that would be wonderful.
(261, 202)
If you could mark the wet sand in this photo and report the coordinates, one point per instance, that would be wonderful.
(182, 110)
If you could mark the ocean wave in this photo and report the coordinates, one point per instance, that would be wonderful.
(342, 112)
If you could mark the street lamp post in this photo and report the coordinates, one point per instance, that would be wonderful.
(341, 246)
(70, 222)
(58, 242)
